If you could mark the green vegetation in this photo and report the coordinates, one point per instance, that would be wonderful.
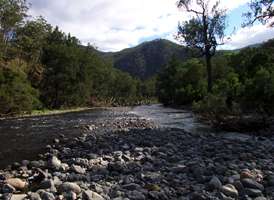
(147, 59)
(43, 68)
(204, 31)
(182, 83)
(243, 84)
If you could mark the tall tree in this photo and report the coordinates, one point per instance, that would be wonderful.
(204, 31)
(30, 41)
(12, 13)
(261, 10)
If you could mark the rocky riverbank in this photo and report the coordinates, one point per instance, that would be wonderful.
(129, 158)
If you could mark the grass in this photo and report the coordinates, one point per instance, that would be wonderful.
(46, 112)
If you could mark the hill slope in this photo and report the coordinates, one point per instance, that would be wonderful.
(147, 59)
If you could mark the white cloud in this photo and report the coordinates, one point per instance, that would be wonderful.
(115, 24)
(250, 35)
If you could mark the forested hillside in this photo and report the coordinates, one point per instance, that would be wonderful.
(43, 67)
(147, 59)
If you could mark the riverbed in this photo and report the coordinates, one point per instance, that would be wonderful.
(138, 153)
(26, 138)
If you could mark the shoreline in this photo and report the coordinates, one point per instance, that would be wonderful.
(126, 157)
(40, 113)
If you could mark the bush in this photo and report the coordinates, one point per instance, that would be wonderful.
(16, 93)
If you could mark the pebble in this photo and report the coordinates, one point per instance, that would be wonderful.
(125, 160)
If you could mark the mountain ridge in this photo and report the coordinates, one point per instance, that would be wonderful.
(148, 58)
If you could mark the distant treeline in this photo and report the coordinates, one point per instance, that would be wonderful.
(42, 67)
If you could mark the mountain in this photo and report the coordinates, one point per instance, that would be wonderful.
(148, 58)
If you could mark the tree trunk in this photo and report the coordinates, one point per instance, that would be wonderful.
(209, 73)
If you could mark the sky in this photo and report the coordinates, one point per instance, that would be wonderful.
(113, 25)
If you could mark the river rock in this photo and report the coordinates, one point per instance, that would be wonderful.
(253, 192)
(34, 196)
(249, 183)
(230, 190)
(18, 197)
(47, 184)
(7, 188)
(17, 183)
(70, 195)
(46, 195)
(90, 195)
(55, 163)
(136, 195)
(247, 174)
(78, 169)
(68, 186)
(215, 183)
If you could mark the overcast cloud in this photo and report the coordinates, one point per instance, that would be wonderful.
(113, 25)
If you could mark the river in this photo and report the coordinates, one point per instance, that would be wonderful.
(25, 138)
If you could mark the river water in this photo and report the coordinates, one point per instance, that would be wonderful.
(25, 138)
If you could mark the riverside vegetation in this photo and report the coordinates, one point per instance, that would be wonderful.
(41, 67)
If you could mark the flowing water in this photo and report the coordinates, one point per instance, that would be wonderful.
(25, 138)
(172, 118)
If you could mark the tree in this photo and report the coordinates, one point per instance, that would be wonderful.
(261, 10)
(12, 13)
(204, 31)
(30, 41)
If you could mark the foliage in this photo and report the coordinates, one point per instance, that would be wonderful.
(44, 68)
(148, 59)
(16, 94)
(204, 31)
(182, 83)
(261, 10)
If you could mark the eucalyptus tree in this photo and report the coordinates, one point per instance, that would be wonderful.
(205, 29)
(260, 10)
(12, 14)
